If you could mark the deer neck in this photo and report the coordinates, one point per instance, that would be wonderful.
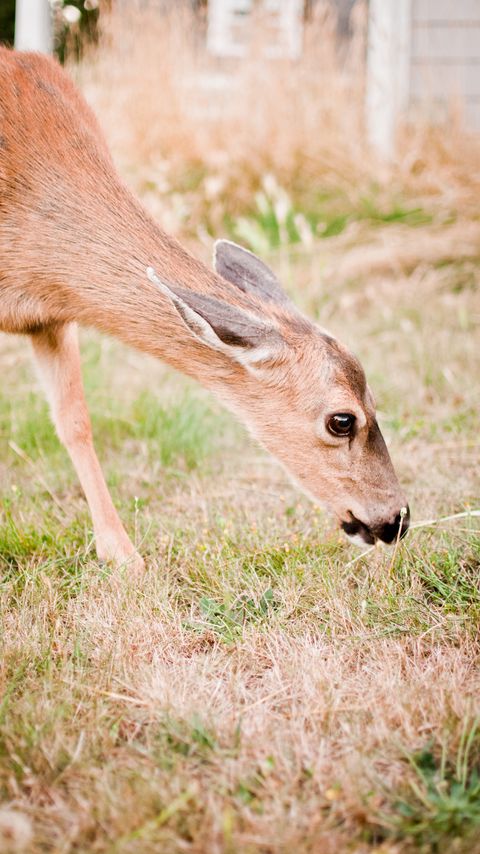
(99, 269)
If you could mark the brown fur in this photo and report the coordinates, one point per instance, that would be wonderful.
(74, 248)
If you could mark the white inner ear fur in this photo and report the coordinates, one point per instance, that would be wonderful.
(252, 356)
(249, 357)
(371, 398)
(197, 325)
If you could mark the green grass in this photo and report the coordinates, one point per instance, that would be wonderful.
(182, 433)
(264, 687)
(442, 804)
(279, 219)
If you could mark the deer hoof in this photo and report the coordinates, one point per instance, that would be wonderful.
(121, 555)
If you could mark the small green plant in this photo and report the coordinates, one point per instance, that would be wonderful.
(275, 222)
(187, 738)
(450, 577)
(18, 543)
(249, 790)
(228, 621)
(444, 798)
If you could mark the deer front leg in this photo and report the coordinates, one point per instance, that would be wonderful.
(58, 359)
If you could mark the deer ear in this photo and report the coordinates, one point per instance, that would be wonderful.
(228, 328)
(243, 269)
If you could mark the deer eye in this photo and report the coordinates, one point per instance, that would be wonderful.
(341, 424)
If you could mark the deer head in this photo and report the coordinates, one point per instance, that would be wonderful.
(301, 393)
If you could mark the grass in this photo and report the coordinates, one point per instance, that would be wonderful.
(443, 800)
(265, 687)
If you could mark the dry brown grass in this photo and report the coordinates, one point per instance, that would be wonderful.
(145, 718)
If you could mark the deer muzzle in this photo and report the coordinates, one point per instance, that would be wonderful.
(386, 531)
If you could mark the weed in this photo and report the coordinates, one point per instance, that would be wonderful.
(186, 738)
(450, 577)
(274, 223)
(444, 799)
(229, 621)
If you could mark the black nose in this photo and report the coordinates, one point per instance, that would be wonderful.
(387, 532)
(391, 530)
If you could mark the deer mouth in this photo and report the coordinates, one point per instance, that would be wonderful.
(387, 532)
(358, 532)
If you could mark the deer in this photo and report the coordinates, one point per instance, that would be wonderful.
(78, 248)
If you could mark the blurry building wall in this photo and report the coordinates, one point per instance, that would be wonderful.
(423, 58)
(445, 56)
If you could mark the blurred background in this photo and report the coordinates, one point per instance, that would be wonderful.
(278, 122)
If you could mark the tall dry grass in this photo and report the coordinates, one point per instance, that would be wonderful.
(195, 136)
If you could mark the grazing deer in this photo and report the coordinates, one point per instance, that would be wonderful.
(77, 247)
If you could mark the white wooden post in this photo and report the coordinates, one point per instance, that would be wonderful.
(388, 70)
(33, 25)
